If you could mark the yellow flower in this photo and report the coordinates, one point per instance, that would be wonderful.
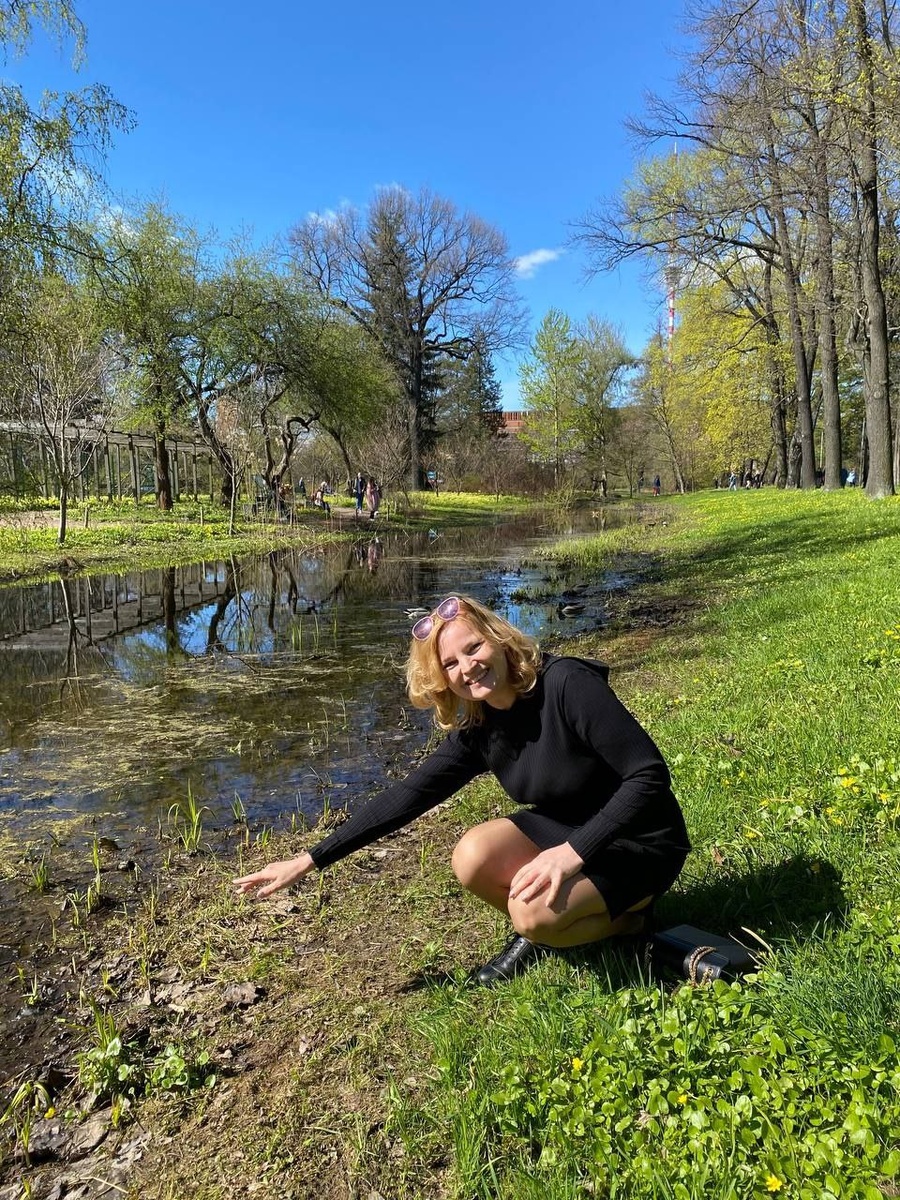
(751, 833)
(682, 1097)
(773, 1183)
(577, 1064)
(51, 1112)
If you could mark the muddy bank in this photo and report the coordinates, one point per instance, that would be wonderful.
(294, 1006)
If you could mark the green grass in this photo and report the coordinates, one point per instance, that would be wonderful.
(113, 535)
(776, 699)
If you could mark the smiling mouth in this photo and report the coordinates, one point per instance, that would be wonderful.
(478, 679)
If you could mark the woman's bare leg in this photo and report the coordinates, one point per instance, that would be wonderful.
(578, 916)
(487, 858)
(485, 862)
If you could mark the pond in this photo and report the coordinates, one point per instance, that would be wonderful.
(262, 687)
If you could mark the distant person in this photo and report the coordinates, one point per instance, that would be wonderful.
(851, 478)
(657, 486)
(732, 482)
(373, 498)
(301, 489)
(375, 555)
(320, 500)
(598, 833)
(359, 492)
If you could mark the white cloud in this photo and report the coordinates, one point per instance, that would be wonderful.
(527, 264)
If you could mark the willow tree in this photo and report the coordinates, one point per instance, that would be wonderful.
(148, 283)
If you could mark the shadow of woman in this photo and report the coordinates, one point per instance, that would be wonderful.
(772, 903)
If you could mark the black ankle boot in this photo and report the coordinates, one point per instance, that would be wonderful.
(516, 956)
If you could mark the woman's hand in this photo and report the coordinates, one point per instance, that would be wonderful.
(275, 876)
(546, 873)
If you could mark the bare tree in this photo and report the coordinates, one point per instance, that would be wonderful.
(60, 383)
(423, 280)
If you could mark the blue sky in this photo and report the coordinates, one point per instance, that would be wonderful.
(251, 116)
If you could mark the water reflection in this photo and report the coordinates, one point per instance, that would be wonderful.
(273, 679)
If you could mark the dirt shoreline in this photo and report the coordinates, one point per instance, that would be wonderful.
(297, 1001)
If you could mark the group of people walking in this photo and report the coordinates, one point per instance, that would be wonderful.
(366, 492)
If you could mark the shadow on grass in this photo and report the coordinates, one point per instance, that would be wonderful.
(780, 902)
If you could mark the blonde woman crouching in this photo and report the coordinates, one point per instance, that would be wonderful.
(598, 834)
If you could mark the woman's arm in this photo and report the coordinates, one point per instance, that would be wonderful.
(444, 772)
(453, 764)
(605, 725)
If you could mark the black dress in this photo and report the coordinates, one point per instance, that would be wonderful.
(583, 770)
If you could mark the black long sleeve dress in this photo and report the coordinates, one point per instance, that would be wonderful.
(583, 770)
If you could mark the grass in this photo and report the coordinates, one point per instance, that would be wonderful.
(762, 650)
(776, 698)
(123, 535)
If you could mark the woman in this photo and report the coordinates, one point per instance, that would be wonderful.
(600, 834)
(373, 498)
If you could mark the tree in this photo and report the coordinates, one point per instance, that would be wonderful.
(148, 283)
(549, 386)
(423, 280)
(60, 384)
(469, 418)
(601, 372)
(50, 156)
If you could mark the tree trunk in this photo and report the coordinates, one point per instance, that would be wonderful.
(777, 385)
(161, 464)
(880, 478)
(828, 356)
(63, 512)
(223, 455)
(802, 365)
(412, 421)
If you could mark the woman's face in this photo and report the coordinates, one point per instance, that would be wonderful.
(475, 669)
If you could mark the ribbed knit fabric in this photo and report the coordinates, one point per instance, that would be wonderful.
(570, 749)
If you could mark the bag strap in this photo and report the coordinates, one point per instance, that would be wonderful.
(694, 960)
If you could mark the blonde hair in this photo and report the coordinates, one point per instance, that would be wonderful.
(426, 682)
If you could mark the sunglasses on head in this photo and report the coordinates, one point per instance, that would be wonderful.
(446, 610)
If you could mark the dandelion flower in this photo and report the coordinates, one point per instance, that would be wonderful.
(682, 1097)
(773, 1183)
(577, 1064)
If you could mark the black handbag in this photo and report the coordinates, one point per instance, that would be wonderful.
(699, 956)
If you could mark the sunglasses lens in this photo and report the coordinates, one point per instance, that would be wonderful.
(448, 609)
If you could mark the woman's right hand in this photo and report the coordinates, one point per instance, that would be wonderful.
(275, 876)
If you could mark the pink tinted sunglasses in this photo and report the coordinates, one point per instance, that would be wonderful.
(446, 610)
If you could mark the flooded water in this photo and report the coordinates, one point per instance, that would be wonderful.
(264, 686)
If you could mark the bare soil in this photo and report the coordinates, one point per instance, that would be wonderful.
(305, 1004)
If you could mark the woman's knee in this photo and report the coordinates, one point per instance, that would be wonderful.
(534, 920)
(469, 856)
(487, 848)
